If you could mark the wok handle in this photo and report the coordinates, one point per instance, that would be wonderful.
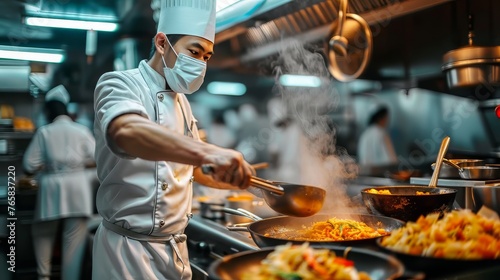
(238, 227)
(254, 181)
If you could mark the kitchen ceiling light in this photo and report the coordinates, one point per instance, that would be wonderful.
(32, 54)
(300, 81)
(72, 24)
(226, 88)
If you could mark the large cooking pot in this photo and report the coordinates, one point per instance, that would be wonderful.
(405, 204)
(264, 231)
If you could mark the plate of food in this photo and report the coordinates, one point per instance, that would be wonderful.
(459, 241)
(305, 262)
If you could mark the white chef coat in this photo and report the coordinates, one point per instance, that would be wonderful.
(62, 147)
(375, 147)
(146, 197)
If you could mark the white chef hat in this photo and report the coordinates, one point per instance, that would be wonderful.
(58, 93)
(188, 17)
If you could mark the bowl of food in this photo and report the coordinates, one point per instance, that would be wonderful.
(407, 203)
(459, 242)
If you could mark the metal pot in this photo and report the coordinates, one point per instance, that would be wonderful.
(472, 66)
(208, 211)
(450, 172)
(476, 172)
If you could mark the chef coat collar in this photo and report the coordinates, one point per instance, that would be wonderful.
(62, 118)
(159, 83)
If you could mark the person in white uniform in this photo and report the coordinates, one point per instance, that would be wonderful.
(59, 153)
(148, 147)
(375, 146)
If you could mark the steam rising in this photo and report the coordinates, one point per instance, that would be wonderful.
(322, 163)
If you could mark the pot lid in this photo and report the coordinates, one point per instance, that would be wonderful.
(471, 55)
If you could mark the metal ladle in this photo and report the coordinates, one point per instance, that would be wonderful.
(439, 162)
(284, 198)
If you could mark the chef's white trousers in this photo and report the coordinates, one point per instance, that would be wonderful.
(74, 239)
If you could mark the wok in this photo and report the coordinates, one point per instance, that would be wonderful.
(404, 204)
(264, 232)
(378, 265)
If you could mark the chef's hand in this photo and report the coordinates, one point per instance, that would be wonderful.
(230, 167)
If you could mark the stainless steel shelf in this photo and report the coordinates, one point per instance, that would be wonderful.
(456, 182)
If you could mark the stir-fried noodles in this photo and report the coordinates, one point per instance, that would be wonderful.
(301, 262)
(333, 229)
(458, 235)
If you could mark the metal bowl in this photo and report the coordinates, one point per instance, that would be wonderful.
(404, 204)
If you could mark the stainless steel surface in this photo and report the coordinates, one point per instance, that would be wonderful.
(453, 182)
(439, 161)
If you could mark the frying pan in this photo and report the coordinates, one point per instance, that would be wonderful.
(404, 204)
(264, 231)
(476, 172)
(378, 265)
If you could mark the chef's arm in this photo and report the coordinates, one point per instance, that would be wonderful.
(142, 138)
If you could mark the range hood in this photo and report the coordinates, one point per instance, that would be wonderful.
(255, 33)
(410, 37)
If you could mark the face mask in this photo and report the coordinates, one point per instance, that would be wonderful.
(187, 75)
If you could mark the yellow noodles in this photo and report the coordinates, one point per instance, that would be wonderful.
(458, 235)
(305, 263)
(333, 229)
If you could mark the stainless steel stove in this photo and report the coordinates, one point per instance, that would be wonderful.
(209, 240)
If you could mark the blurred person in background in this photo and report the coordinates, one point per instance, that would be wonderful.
(149, 152)
(375, 146)
(59, 153)
(219, 133)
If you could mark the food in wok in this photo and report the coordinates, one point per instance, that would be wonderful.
(305, 263)
(459, 234)
(385, 191)
(334, 229)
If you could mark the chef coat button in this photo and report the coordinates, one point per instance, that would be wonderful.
(164, 185)
(162, 223)
(192, 179)
(160, 97)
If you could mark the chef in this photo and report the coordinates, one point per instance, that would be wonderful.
(59, 152)
(375, 145)
(148, 147)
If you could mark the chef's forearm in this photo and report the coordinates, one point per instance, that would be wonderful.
(141, 138)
